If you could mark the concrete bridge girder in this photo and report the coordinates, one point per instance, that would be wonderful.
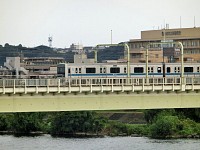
(97, 101)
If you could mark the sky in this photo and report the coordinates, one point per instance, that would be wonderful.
(89, 22)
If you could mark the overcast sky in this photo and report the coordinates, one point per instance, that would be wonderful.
(89, 22)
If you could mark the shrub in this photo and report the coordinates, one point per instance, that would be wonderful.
(164, 127)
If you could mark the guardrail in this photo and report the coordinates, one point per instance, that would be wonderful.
(66, 84)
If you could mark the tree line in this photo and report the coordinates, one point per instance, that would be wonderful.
(161, 123)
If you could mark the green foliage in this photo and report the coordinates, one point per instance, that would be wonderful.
(74, 122)
(5, 122)
(137, 129)
(189, 128)
(164, 126)
(151, 115)
(114, 128)
(26, 122)
(191, 113)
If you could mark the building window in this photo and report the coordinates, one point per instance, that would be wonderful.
(157, 56)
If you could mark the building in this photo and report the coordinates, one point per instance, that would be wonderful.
(41, 66)
(82, 58)
(77, 48)
(190, 38)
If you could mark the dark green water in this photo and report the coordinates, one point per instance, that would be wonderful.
(46, 142)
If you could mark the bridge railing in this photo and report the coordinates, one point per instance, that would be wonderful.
(69, 82)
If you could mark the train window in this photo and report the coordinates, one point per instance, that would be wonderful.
(198, 69)
(101, 70)
(104, 70)
(188, 69)
(69, 70)
(138, 70)
(124, 69)
(168, 69)
(90, 70)
(114, 70)
(79, 70)
(76, 70)
(159, 69)
(150, 69)
(178, 69)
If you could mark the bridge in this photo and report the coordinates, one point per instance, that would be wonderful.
(76, 94)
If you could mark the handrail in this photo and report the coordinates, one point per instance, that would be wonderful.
(66, 82)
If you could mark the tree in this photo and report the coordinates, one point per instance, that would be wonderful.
(3, 122)
(70, 123)
(192, 113)
(149, 115)
(6, 45)
(26, 122)
(164, 127)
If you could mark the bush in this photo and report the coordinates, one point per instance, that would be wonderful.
(115, 128)
(164, 127)
(189, 128)
(137, 129)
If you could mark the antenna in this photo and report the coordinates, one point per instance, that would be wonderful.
(164, 24)
(50, 39)
(194, 22)
(180, 22)
(111, 36)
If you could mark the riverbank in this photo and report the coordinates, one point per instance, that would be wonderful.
(161, 124)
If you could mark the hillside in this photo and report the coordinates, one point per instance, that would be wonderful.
(110, 53)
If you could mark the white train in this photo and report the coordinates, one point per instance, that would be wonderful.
(120, 70)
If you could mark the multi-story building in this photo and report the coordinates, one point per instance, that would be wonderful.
(190, 38)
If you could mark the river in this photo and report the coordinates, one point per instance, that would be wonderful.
(46, 142)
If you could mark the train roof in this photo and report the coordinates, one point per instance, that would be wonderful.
(94, 64)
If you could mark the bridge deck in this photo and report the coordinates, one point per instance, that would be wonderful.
(67, 94)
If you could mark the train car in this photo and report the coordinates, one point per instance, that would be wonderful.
(120, 70)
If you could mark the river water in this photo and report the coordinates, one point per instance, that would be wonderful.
(46, 142)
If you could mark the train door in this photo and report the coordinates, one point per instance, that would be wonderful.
(163, 65)
(62, 70)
